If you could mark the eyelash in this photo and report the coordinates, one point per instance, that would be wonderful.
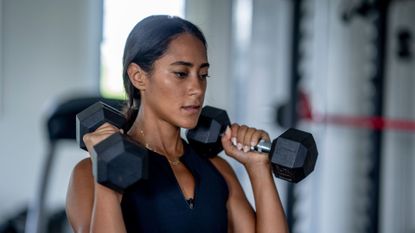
(183, 75)
(180, 74)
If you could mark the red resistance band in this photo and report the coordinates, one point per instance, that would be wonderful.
(368, 122)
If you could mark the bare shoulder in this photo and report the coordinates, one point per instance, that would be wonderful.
(83, 167)
(81, 176)
(81, 180)
(80, 196)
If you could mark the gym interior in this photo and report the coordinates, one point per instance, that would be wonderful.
(342, 70)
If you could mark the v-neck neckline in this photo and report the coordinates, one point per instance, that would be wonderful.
(184, 160)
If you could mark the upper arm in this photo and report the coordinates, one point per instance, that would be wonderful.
(80, 196)
(241, 216)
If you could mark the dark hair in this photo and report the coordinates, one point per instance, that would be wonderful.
(147, 42)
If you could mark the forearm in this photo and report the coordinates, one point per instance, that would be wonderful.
(270, 216)
(107, 214)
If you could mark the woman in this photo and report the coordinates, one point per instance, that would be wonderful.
(165, 73)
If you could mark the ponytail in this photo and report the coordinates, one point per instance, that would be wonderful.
(132, 105)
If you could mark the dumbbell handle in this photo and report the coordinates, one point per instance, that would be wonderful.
(262, 146)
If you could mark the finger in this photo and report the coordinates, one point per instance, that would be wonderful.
(265, 136)
(227, 144)
(234, 133)
(85, 137)
(240, 136)
(247, 139)
(226, 139)
(108, 126)
(258, 136)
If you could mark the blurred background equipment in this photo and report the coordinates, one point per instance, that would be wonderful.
(376, 13)
(60, 125)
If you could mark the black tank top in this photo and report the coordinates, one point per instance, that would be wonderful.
(158, 204)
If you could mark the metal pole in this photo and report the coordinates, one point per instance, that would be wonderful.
(294, 81)
(35, 222)
(380, 23)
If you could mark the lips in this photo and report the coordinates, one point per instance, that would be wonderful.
(191, 108)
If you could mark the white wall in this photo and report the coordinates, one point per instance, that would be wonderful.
(214, 19)
(1, 57)
(263, 82)
(336, 88)
(50, 48)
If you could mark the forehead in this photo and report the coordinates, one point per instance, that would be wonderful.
(186, 47)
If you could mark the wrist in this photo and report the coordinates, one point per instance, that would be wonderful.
(258, 168)
(105, 192)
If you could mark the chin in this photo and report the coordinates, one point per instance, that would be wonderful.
(188, 124)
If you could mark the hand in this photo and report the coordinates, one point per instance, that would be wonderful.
(92, 139)
(100, 134)
(238, 140)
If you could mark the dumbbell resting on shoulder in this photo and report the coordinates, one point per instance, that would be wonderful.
(292, 155)
(118, 161)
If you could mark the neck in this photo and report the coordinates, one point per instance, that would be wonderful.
(157, 135)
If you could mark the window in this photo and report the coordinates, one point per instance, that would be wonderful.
(120, 16)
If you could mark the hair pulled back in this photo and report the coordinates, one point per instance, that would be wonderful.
(147, 42)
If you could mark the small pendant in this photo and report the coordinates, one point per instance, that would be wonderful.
(190, 202)
(174, 163)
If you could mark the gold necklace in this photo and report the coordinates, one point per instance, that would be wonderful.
(172, 162)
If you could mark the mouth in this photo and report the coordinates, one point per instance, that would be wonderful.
(191, 109)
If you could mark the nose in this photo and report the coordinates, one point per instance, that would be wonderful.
(196, 86)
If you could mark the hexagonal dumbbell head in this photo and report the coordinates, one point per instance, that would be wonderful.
(119, 162)
(205, 137)
(293, 155)
(94, 116)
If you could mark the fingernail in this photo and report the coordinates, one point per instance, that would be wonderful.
(253, 143)
(234, 141)
(239, 146)
(227, 131)
(246, 149)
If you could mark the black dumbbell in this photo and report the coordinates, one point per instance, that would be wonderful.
(118, 161)
(293, 154)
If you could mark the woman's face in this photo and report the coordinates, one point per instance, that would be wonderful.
(176, 88)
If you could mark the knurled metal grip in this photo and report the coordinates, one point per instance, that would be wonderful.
(262, 146)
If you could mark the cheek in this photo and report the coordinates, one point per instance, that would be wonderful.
(204, 86)
(168, 90)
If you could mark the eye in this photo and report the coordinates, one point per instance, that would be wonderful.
(204, 76)
(181, 75)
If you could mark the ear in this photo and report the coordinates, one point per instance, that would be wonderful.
(138, 76)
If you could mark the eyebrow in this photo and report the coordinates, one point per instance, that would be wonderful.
(188, 64)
